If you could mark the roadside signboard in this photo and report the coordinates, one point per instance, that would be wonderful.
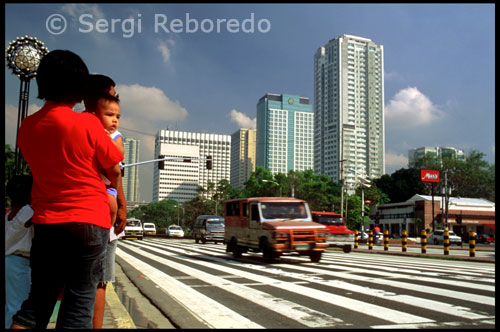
(429, 175)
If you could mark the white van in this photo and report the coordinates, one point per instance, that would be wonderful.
(149, 228)
(133, 228)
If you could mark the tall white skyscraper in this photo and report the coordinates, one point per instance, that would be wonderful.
(349, 109)
(243, 149)
(179, 179)
(130, 180)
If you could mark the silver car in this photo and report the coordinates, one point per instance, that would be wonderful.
(437, 237)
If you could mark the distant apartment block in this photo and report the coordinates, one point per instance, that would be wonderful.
(437, 153)
(284, 133)
(243, 156)
(130, 180)
(178, 179)
(349, 109)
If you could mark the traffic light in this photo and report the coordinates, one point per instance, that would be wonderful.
(123, 169)
(209, 162)
(161, 163)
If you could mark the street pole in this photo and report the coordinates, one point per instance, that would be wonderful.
(446, 196)
(342, 187)
(362, 208)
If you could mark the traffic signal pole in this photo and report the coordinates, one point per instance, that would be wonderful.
(208, 159)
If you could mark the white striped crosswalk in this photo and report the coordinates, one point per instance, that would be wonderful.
(381, 290)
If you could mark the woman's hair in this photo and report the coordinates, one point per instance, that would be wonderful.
(62, 76)
(18, 189)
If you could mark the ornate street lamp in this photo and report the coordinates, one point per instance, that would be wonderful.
(23, 57)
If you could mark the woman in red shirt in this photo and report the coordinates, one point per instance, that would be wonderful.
(71, 219)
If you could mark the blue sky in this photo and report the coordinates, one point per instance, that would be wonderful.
(438, 62)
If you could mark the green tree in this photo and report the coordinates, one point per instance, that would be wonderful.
(255, 187)
(320, 192)
(401, 185)
(163, 213)
(473, 177)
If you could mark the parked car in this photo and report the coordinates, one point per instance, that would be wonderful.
(175, 231)
(437, 237)
(133, 228)
(149, 228)
(485, 238)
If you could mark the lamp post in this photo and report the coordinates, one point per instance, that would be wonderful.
(178, 206)
(364, 182)
(276, 183)
(23, 57)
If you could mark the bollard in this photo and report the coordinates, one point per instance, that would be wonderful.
(446, 241)
(370, 240)
(386, 240)
(356, 239)
(472, 244)
(423, 241)
(404, 241)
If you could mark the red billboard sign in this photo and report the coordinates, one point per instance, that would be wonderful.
(429, 176)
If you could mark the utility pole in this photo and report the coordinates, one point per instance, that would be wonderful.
(341, 180)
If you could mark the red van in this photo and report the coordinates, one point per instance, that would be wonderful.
(338, 234)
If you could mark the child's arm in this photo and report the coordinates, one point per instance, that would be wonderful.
(119, 144)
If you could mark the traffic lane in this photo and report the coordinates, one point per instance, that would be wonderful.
(244, 307)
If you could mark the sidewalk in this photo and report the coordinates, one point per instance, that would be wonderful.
(363, 247)
(115, 314)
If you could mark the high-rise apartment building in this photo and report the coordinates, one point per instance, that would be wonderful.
(349, 109)
(284, 133)
(130, 180)
(179, 179)
(436, 153)
(243, 155)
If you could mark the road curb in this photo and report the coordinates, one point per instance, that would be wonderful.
(427, 255)
(120, 316)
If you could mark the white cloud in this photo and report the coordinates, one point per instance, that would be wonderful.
(392, 76)
(165, 50)
(147, 108)
(411, 108)
(394, 161)
(11, 122)
(243, 120)
(75, 10)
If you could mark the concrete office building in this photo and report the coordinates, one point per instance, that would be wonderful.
(349, 109)
(243, 155)
(130, 180)
(284, 133)
(179, 180)
(436, 153)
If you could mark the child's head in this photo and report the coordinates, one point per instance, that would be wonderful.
(98, 85)
(19, 190)
(108, 111)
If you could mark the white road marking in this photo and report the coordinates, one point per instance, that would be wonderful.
(308, 317)
(209, 311)
(379, 312)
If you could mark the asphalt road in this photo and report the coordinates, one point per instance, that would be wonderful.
(200, 286)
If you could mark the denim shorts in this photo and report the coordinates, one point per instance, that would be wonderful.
(108, 268)
(64, 255)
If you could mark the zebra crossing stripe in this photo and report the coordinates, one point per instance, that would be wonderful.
(294, 311)
(459, 311)
(379, 312)
(213, 314)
